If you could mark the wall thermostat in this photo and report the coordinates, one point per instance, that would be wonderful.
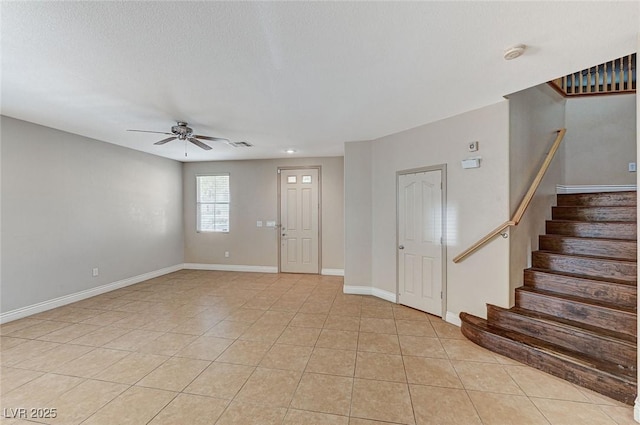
(473, 146)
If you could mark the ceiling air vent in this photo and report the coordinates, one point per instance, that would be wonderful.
(240, 144)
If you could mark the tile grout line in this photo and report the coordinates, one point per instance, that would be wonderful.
(466, 392)
(255, 368)
(353, 378)
(305, 369)
(404, 367)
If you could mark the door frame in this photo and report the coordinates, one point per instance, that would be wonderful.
(443, 178)
(279, 224)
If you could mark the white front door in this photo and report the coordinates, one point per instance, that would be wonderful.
(420, 241)
(299, 219)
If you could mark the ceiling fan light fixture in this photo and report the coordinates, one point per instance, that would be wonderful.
(514, 52)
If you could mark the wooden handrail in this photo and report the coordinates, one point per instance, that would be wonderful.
(517, 216)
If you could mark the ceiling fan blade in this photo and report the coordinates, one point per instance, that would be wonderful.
(215, 139)
(147, 131)
(167, 140)
(199, 143)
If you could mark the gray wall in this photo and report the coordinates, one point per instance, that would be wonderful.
(601, 141)
(70, 203)
(478, 201)
(253, 186)
(358, 213)
(534, 116)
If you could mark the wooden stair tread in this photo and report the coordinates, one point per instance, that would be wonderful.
(595, 342)
(589, 257)
(590, 265)
(585, 277)
(592, 222)
(596, 331)
(605, 247)
(579, 300)
(595, 206)
(564, 354)
(624, 198)
(621, 230)
(555, 235)
(594, 213)
(608, 290)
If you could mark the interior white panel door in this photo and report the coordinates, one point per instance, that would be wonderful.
(299, 219)
(420, 241)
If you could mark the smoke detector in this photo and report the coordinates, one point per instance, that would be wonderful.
(514, 52)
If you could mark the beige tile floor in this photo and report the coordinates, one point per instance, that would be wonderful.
(201, 347)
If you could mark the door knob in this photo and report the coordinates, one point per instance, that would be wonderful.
(401, 247)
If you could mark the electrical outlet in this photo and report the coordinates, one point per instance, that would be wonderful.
(632, 167)
(95, 272)
(226, 254)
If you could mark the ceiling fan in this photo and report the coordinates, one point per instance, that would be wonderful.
(181, 131)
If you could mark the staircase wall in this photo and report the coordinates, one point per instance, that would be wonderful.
(534, 115)
(601, 130)
(477, 201)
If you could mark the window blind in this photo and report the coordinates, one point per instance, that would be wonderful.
(212, 203)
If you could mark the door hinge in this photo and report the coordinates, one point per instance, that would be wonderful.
(440, 294)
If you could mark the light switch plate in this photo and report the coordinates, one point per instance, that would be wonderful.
(271, 224)
(471, 163)
(632, 167)
(258, 223)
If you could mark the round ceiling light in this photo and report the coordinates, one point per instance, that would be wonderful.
(514, 52)
(290, 151)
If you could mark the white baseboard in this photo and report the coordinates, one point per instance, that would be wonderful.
(385, 295)
(368, 290)
(332, 272)
(231, 268)
(356, 290)
(79, 296)
(453, 318)
(561, 188)
(251, 269)
(636, 410)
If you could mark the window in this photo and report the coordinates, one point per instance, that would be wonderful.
(212, 203)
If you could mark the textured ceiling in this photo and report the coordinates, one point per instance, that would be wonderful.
(310, 76)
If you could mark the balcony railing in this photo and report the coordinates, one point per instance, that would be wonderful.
(616, 76)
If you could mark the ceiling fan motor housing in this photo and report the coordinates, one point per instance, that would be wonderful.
(181, 130)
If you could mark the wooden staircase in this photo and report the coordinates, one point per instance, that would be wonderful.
(575, 317)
